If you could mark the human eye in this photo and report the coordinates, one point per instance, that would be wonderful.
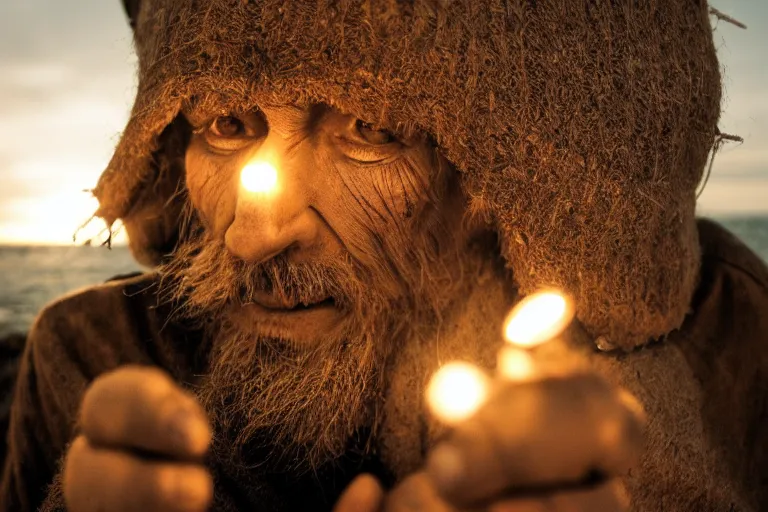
(227, 127)
(233, 132)
(371, 135)
(365, 143)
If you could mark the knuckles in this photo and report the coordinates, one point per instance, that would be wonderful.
(74, 460)
(585, 400)
(540, 433)
(123, 414)
(143, 408)
(100, 479)
(129, 381)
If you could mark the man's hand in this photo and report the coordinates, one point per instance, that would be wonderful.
(140, 448)
(558, 444)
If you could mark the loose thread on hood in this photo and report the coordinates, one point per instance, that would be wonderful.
(720, 139)
(724, 17)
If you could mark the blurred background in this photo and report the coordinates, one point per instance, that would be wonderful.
(67, 80)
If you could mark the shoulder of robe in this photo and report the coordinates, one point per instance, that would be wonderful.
(728, 320)
(718, 358)
(720, 247)
(725, 336)
(705, 389)
(96, 328)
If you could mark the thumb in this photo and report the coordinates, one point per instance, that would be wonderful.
(364, 494)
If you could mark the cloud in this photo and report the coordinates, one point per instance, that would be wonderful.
(37, 75)
(68, 142)
(52, 217)
(66, 89)
(90, 33)
(68, 80)
(742, 196)
(745, 100)
(741, 160)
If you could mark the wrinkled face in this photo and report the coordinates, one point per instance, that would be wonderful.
(308, 283)
(340, 194)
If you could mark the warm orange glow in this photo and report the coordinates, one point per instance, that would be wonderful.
(456, 391)
(538, 318)
(259, 176)
(515, 364)
(53, 219)
(94, 228)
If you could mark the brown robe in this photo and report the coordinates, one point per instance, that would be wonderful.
(704, 387)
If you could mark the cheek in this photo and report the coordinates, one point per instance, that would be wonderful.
(402, 189)
(375, 206)
(394, 193)
(212, 186)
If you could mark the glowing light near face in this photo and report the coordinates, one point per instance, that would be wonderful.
(538, 318)
(456, 391)
(259, 177)
(515, 364)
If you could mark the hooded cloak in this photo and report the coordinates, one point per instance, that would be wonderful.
(580, 132)
(580, 128)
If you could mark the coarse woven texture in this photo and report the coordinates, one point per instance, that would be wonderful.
(580, 128)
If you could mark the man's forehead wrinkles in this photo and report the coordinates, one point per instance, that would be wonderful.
(286, 114)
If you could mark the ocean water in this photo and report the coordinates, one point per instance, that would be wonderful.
(31, 277)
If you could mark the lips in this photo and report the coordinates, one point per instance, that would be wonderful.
(282, 304)
(301, 322)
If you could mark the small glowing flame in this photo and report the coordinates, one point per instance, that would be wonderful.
(259, 176)
(456, 391)
(538, 318)
(515, 364)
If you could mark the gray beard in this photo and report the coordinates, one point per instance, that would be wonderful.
(298, 408)
(291, 410)
(277, 406)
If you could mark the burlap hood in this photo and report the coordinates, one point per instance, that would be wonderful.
(580, 128)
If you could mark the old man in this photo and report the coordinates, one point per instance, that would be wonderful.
(431, 163)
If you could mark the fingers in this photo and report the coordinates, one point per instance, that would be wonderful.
(141, 407)
(416, 494)
(364, 494)
(98, 479)
(537, 434)
(609, 497)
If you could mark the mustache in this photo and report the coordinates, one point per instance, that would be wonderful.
(200, 279)
(203, 278)
(293, 284)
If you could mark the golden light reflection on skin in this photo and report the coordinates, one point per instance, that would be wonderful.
(260, 177)
(456, 391)
(538, 318)
(515, 364)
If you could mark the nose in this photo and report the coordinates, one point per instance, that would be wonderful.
(277, 218)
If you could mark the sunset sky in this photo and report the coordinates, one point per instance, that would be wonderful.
(67, 82)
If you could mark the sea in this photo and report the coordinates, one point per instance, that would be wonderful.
(31, 277)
